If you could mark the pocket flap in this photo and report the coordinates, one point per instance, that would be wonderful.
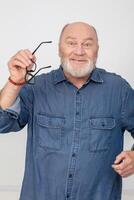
(47, 121)
(102, 123)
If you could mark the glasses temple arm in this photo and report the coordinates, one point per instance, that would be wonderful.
(36, 73)
(40, 45)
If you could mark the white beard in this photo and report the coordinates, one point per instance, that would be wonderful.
(75, 71)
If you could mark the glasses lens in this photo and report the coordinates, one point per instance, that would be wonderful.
(29, 78)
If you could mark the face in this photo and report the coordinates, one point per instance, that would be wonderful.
(78, 49)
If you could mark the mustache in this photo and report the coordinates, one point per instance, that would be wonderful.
(76, 71)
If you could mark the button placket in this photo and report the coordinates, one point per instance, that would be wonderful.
(75, 144)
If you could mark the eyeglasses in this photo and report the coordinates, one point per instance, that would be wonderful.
(29, 77)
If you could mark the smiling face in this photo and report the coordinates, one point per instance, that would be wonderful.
(78, 48)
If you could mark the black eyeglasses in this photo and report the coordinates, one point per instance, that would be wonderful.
(29, 77)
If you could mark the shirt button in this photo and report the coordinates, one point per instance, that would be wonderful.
(70, 175)
(68, 195)
(78, 92)
(73, 155)
(103, 124)
(77, 113)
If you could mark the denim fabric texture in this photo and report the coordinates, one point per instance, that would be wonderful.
(73, 135)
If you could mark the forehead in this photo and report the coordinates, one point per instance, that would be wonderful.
(79, 31)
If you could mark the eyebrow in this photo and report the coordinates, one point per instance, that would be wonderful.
(69, 37)
(89, 38)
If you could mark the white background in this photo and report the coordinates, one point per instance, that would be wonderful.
(26, 23)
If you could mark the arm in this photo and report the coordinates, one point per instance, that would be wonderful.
(124, 162)
(8, 95)
(10, 119)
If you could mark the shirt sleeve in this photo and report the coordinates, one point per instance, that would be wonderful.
(128, 109)
(15, 108)
(16, 117)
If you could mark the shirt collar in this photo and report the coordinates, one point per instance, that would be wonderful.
(96, 76)
(59, 76)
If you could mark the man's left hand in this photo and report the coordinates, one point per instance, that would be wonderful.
(124, 163)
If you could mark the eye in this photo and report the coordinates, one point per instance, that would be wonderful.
(71, 43)
(87, 45)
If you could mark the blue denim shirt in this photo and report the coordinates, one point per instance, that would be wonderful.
(74, 135)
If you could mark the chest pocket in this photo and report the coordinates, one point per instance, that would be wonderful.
(100, 133)
(50, 131)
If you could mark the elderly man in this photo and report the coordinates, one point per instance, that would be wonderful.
(76, 118)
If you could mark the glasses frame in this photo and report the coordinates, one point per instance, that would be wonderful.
(29, 72)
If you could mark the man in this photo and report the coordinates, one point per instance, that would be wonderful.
(76, 118)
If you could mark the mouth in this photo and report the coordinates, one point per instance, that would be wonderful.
(78, 60)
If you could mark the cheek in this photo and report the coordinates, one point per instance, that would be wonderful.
(65, 52)
(92, 54)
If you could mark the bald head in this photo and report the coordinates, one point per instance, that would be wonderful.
(79, 27)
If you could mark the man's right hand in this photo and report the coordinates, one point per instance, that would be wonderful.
(18, 64)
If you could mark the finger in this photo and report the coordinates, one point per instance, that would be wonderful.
(127, 169)
(17, 64)
(23, 57)
(29, 54)
(25, 54)
(30, 59)
(119, 158)
(123, 164)
(124, 171)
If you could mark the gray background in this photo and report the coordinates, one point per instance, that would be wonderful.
(26, 23)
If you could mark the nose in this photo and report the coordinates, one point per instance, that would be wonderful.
(79, 50)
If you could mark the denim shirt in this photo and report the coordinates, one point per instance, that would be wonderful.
(74, 135)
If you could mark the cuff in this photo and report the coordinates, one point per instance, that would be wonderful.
(13, 110)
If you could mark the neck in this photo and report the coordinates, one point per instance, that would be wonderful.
(77, 82)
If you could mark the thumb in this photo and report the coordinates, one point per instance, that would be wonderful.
(119, 158)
